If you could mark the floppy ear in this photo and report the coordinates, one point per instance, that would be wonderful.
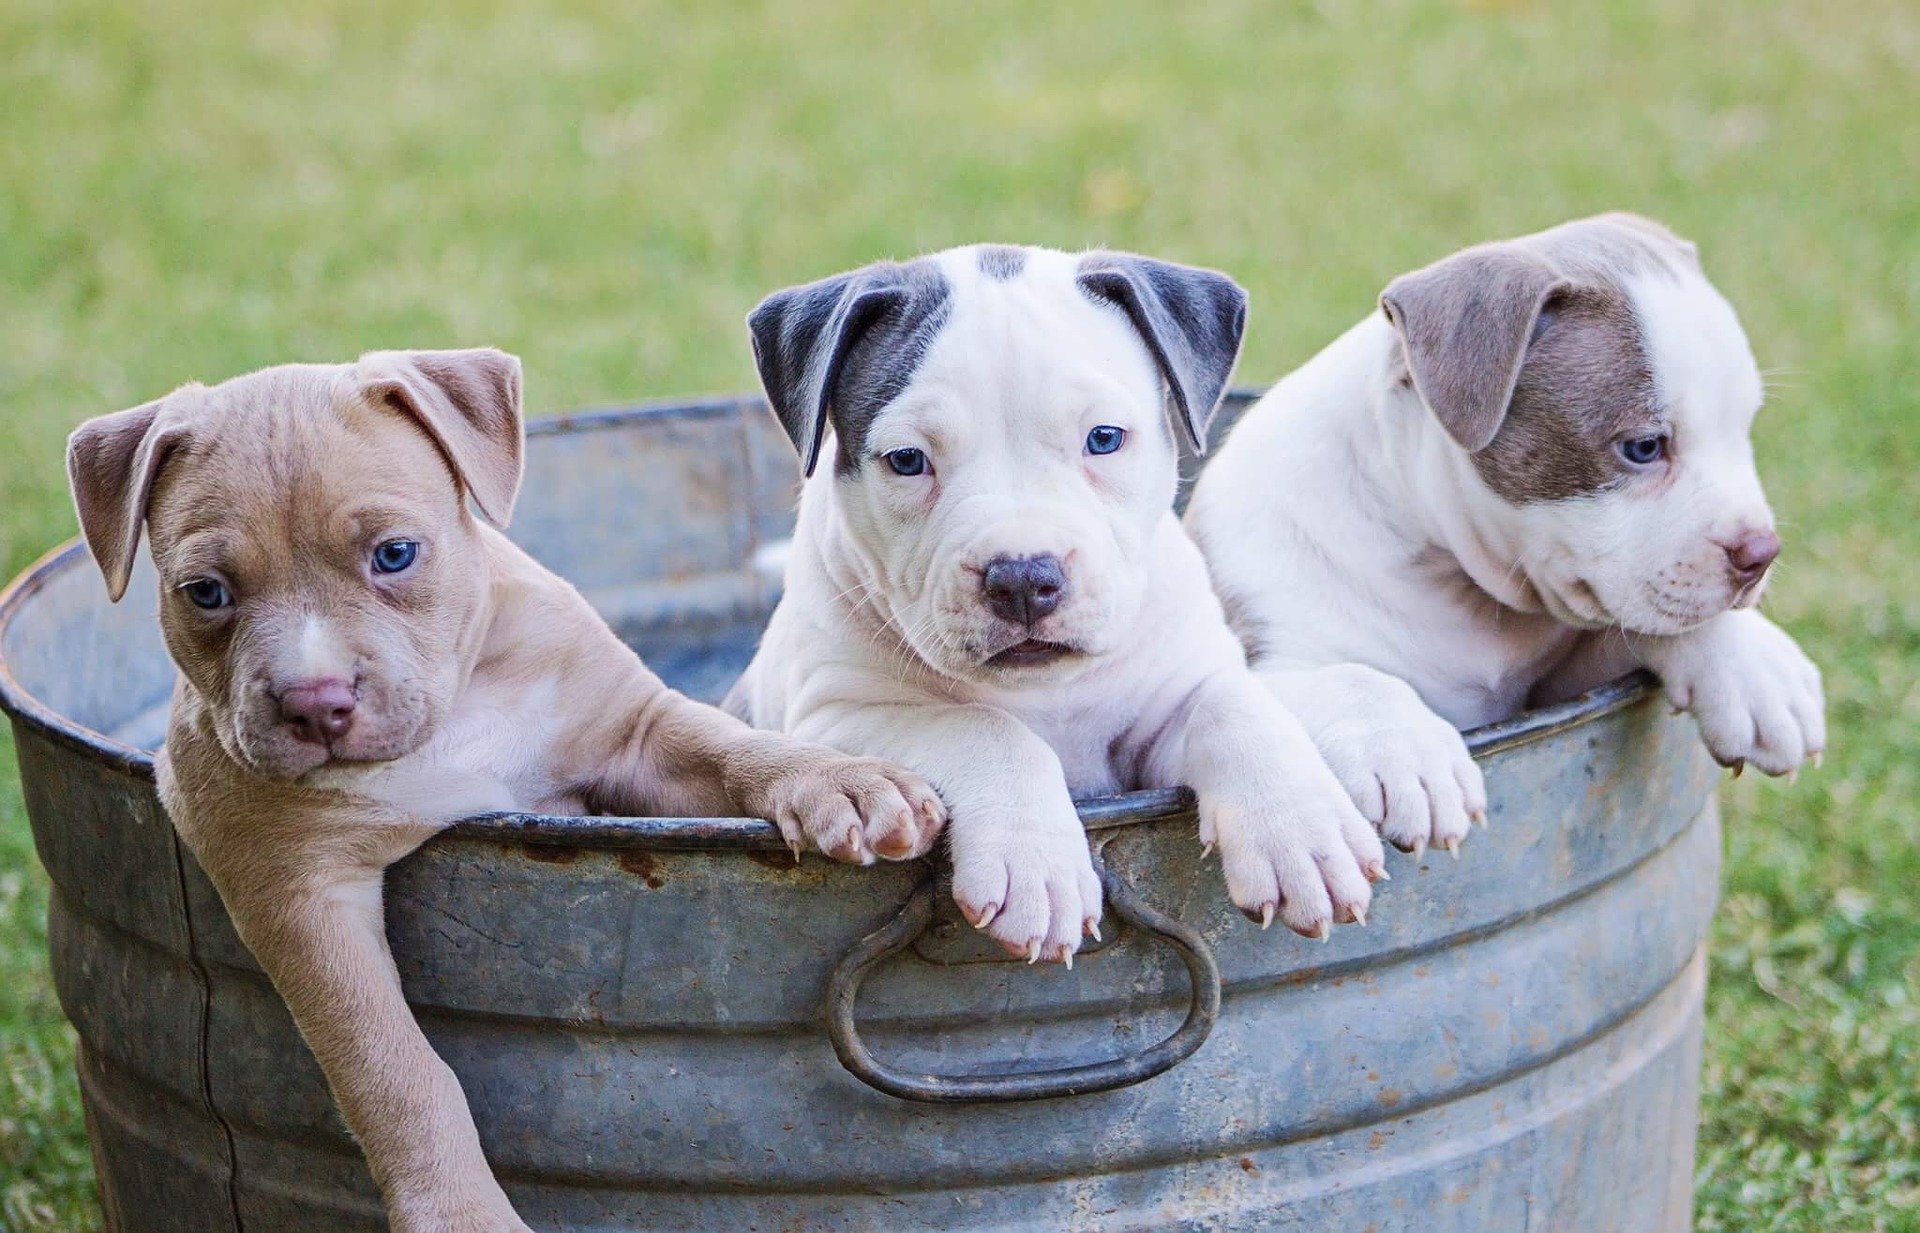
(1464, 324)
(1192, 321)
(469, 403)
(111, 462)
(802, 335)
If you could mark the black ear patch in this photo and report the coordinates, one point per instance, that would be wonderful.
(1191, 320)
(845, 347)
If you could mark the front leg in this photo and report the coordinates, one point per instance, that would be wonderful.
(303, 886)
(1290, 840)
(1021, 869)
(1752, 690)
(1407, 769)
(679, 756)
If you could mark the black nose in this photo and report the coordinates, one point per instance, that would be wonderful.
(1024, 589)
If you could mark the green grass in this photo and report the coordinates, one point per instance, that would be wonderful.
(193, 190)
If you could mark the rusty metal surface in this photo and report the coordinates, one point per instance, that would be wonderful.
(636, 1006)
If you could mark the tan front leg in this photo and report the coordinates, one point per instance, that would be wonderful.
(302, 879)
(684, 757)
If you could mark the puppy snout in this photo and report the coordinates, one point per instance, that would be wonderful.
(318, 711)
(1751, 553)
(1024, 590)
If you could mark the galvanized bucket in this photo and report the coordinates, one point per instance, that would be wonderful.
(650, 1016)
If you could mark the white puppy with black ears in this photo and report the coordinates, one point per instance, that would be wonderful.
(988, 581)
(1529, 473)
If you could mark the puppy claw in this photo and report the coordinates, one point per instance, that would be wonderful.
(1266, 914)
(1376, 871)
(1092, 928)
(1452, 844)
(1033, 952)
(1738, 766)
(1479, 817)
(1793, 776)
(794, 844)
(984, 919)
(1359, 915)
(1067, 959)
(1815, 758)
(1206, 848)
(1323, 930)
(1419, 849)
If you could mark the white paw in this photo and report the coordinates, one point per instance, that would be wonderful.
(1407, 770)
(1752, 690)
(1029, 885)
(1293, 847)
(856, 809)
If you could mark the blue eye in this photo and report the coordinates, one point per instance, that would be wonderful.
(907, 461)
(208, 593)
(1643, 451)
(395, 555)
(1105, 439)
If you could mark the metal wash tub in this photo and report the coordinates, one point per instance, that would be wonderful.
(638, 1008)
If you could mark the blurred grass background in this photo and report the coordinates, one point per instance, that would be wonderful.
(191, 191)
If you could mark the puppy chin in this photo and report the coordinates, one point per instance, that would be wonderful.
(1575, 604)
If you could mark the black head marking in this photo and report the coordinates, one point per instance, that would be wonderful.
(1002, 262)
(845, 347)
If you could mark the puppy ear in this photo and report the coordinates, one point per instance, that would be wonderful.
(802, 336)
(1464, 324)
(1192, 321)
(111, 463)
(469, 403)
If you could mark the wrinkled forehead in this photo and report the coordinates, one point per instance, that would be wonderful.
(1024, 346)
(286, 462)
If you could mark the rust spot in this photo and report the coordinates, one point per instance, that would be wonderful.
(1376, 1141)
(1423, 971)
(1388, 1097)
(1373, 1076)
(1445, 1070)
(550, 853)
(781, 862)
(1247, 1166)
(1493, 980)
(645, 866)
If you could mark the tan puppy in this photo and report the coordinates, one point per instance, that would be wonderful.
(363, 661)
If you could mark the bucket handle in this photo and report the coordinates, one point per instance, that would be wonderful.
(843, 988)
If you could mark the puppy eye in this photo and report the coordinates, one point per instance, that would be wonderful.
(907, 461)
(208, 593)
(1105, 439)
(1643, 451)
(395, 555)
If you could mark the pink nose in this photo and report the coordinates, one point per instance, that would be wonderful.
(318, 711)
(1752, 553)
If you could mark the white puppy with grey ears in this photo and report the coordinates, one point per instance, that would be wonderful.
(988, 581)
(1529, 473)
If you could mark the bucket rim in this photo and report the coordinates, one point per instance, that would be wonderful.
(749, 834)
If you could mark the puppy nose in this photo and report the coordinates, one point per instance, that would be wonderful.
(1024, 589)
(1751, 553)
(318, 711)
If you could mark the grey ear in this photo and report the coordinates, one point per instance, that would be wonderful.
(802, 336)
(1464, 324)
(1192, 321)
(111, 464)
(469, 403)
